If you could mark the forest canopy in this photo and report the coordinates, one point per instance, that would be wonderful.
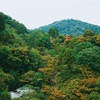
(55, 68)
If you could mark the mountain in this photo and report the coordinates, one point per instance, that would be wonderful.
(71, 26)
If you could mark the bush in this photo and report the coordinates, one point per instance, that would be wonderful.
(94, 96)
(5, 96)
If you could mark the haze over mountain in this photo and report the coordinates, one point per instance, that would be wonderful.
(71, 26)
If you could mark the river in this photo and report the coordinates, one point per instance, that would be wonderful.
(20, 91)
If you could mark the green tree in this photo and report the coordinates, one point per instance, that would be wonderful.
(44, 41)
(35, 59)
(5, 96)
(19, 59)
(61, 38)
(90, 57)
(2, 22)
(89, 33)
(53, 32)
(32, 78)
(5, 81)
(34, 38)
(5, 51)
(66, 56)
(94, 96)
(81, 46)
(20, 28)
(13, 58)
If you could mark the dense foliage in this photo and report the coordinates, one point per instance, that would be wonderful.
(55, 69)
(2, 24)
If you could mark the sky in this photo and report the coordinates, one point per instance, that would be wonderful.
(36, 13)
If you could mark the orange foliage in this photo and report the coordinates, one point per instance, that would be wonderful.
(87, 73)
(45, 70)
(80, 39)
(57, 95)
(53, 93)
(79, 89)
(48, 61)
(98, 40)
(90, 82)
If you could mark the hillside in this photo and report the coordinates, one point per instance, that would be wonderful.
(54, 69)
(72, 27)
(12, 23)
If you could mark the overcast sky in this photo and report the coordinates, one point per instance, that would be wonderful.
(36, 13)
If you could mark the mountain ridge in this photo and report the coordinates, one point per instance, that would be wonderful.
(71, 27)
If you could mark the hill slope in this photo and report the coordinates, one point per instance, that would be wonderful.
(71, 26)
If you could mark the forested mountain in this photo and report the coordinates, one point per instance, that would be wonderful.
(72, 27)
(54, 68)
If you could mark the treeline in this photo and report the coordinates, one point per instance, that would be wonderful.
(56, 69)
